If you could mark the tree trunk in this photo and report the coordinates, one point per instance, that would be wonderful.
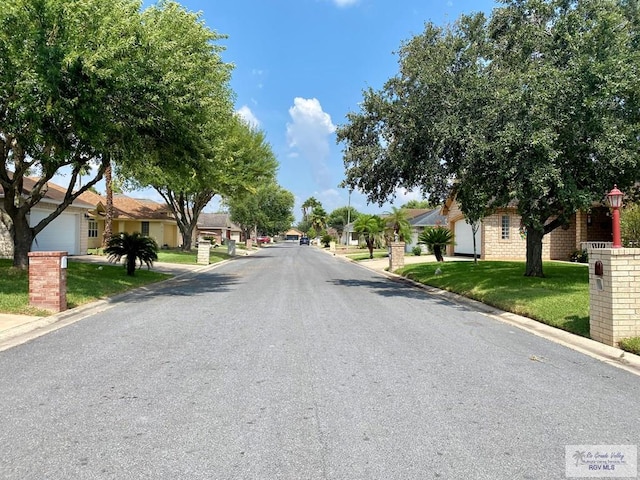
(534, 253)
(370, 245)
(22, 240)
(108, 219)
(131, 265)
(474, 230)
(186, 239)
(437, 251)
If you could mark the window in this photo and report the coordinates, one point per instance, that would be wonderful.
(145, 229)
(93, 228)
(505, 227)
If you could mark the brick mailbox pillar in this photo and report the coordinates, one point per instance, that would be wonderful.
(614, 292)
(48, 280)
(396, 256)
(204, 250)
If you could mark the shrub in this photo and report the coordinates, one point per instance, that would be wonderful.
(579, 256)
(630, 225)
(326, 239)
(417, 250)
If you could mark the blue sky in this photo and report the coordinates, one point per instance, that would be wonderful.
(301, 66)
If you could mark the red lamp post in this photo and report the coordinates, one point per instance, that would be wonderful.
(614, 200)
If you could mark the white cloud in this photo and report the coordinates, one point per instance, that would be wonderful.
(403, 195)
(330, 199)
(308, 133)
(345, 3)
(247, 115)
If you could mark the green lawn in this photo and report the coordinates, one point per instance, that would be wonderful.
(178, 256)
(561, 299)
(86, 282)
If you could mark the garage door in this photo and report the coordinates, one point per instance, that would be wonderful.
(464, 239)
(60, 235)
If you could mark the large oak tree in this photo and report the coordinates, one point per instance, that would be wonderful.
(536, 107)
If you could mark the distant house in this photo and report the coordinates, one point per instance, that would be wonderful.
(293, 234)
(67, 232)
(430, 218)
(131, 215)
(501, 235)
(352, 238)
(218, 227)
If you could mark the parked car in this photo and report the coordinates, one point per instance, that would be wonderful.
(304, 240)
(264, 239)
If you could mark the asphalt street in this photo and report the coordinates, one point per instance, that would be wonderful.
(291, 364)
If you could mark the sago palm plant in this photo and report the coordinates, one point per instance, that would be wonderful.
(135, 247)
(436, 238)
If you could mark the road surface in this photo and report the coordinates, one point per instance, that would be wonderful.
(292, 364)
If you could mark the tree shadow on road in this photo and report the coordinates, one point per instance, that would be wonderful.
(396, 288)
(189, 285)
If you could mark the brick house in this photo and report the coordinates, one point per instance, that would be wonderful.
(219, 227)
(501, 236)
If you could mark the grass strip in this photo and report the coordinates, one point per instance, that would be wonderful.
(86, 282)
(561, 299)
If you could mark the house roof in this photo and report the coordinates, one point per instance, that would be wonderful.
(125, 207)
(139, 208)
(216, 221)
(55, 193)
(409, 213)
(92, 198)
(429, 219)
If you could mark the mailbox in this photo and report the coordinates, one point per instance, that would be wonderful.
(599, 268)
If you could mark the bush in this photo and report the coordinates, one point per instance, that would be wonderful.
(326, 239)
(417, 250)
(631, 345)
(630, 225)
(579, 256)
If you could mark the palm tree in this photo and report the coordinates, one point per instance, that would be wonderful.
(108, 219)
(133, 246)
(436, 238)
(308, 205)
(371, 230)
(318, 218)
(399, 224)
